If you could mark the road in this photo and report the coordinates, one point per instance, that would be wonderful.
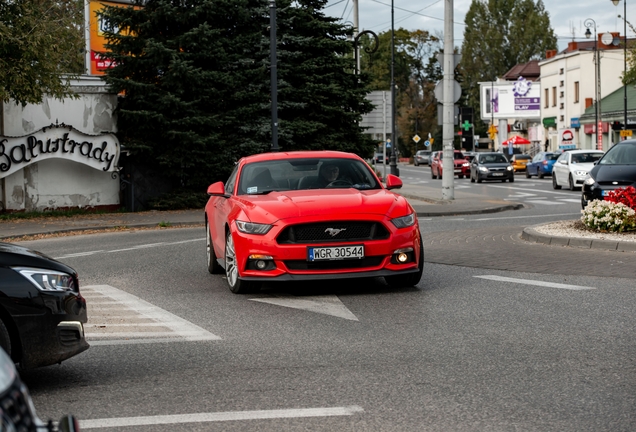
(479, 344)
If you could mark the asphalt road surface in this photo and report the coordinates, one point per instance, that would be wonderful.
(488, 340)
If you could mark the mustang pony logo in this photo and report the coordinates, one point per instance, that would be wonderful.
(334, 231)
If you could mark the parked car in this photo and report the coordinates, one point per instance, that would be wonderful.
(378, 158)
(491, 166)
(519, 161)
(460, 164)
(421, 157)
(310, 215)
(615, 169)
(42, 313)
(572, 167)
(541, 164)
(18, 409)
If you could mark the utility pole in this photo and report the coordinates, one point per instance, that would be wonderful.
(448, 132)
(392, 161)
(273, 73)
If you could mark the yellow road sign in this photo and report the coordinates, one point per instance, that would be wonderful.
(626, 133)
(416, 138)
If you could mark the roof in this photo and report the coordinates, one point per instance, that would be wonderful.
(613, 106)
(529, 71)
(298, 155)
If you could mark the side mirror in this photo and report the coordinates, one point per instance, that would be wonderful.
(393, 182)
(68, 423)
(216, 189)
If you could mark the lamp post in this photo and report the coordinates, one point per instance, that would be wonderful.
(615, 2)
(273, 73)
(597, 75)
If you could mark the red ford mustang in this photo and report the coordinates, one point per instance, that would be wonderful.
(310, 215)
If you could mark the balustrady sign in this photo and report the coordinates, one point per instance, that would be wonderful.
(510, 99)
(58, 141)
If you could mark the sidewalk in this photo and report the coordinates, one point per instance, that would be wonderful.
(426, 200)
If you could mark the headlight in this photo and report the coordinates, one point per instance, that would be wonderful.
(589, 180)
(48, 280)
(483, 169)
(580, 173)
(509, 168)
(465, 164)
(404, 221)
(253, 228)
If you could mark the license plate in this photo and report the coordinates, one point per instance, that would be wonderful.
(605, 193)
(497, 174)
(458, 170)
(335, 253)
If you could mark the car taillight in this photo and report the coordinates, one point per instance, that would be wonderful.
(545, 162)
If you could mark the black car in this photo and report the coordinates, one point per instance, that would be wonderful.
(616, 169)
(42, 313)
(491, 166)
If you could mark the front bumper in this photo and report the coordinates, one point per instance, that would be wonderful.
(290, 261)
(497, 175)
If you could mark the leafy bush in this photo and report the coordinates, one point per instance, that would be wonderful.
(181, 200)
(625, 196)
(608, 216)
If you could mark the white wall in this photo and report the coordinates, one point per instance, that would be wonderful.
(59, 183)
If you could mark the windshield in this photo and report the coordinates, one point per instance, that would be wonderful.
(620, 154)
(586, 157)
(552, 156)
(492, 158)
(301, 174)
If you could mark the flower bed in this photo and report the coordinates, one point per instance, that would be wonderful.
(617, 213)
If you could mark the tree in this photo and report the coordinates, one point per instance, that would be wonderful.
(196, 83)
(500, 34)
(39, 42)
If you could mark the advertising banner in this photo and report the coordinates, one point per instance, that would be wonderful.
(509, 100)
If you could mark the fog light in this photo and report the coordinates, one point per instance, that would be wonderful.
(260, 264)
(402, 258)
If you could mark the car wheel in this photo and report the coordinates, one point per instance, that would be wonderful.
(213, 264)
(528, 173)
(416, 164)
(584, 202)
(555, 184)
(478, 179)
(237, 286)
(433, 175)
(5, 338)
(409, 279)
(511, 179)
(571, 183)
(460, 176)
(540, 174)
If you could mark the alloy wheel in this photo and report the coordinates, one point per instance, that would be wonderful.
(231, 269)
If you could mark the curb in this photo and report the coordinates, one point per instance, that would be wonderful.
(486, 210)
(531, 235)
(104, 228)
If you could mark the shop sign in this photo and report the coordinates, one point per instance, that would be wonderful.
(566, 138)
(59, 141)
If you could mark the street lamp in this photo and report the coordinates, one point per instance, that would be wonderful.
(597, 75)
(615, 2)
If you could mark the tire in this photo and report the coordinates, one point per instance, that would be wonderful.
(416, 164)
(571, 183)
(478, 179)
(460, 176)
(237, 286)
(511, 180)
(213, 265)
(409, 279)
(433, 176)
(555, 185)
(528, 173)
(5, 338)
(540, 174)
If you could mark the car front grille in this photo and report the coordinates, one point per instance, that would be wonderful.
(344, 231)
(616, 183)
(334, 265)
(15, 408)
(497, 169)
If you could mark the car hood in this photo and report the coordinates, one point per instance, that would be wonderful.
(323, 202)
(623, 174)
(581, 166)
(17, 256)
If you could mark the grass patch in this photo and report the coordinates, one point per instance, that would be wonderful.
(52, 213)
(164, 224)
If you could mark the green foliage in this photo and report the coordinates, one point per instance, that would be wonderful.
(196, 81)
(5, 216)
(40, 41)
(608, 216)
(179, 200)
(500, 34)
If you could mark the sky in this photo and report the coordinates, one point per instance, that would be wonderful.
(566, 16)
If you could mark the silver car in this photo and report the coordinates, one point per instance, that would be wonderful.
(422, 157)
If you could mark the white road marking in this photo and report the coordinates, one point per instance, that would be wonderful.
(144, 246)
(532, 190)
(328, 305)
(544, 202)
(524, 217)
(219, 416)
(535, 282)
(572, 200)
(177, 329)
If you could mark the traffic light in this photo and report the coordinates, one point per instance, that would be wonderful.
(466, 127)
